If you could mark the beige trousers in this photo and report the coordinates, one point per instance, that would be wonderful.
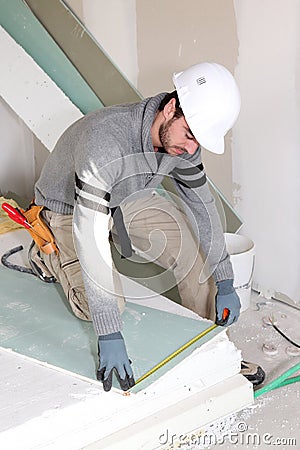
(157, 228)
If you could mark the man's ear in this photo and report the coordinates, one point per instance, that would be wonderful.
(169, 109)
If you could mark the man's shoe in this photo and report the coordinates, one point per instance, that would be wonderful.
(253, 372)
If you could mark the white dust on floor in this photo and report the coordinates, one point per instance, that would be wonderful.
(274, 418)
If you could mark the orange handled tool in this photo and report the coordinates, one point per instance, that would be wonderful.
(225, 314)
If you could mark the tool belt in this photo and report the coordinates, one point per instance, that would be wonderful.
(40, 232)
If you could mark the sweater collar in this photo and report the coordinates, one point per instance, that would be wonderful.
(144, 114)
(150, 110)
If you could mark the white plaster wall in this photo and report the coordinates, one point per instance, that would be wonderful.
(16, 155)
(173, 35)
(266, 156)
(113, 25)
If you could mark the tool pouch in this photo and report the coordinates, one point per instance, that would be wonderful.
(40, 232)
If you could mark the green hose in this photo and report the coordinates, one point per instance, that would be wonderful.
(282, 380)
(289, 381)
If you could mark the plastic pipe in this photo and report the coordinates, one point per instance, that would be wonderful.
(282, 380)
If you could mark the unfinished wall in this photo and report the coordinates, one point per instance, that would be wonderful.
(76, 7)
(16, 155)
(173, 35)
(266, 156)
(263, 39)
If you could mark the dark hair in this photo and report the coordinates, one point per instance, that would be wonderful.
(178, 112)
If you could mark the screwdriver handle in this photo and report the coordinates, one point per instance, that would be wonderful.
(15, 215)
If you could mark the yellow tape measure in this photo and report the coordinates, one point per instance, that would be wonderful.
(179, 350)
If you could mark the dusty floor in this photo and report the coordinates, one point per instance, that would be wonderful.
(274, 419)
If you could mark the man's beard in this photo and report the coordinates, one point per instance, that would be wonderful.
(164, 134)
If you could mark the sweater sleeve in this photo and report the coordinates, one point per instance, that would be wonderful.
(91, 237)
(191, 183)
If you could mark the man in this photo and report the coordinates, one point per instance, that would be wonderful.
(100, 180)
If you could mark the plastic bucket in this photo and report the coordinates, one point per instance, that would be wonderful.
(242, 255)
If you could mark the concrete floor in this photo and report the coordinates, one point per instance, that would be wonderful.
(275, 415)
(272, 420)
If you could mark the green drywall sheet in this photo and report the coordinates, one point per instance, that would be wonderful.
(17, 19)
(36, 321)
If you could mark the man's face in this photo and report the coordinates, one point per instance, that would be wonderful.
(177, 138)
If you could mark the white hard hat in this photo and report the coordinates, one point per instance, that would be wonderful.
(210, 101)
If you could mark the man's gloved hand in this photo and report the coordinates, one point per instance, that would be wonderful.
(113, 355)
(227, 298)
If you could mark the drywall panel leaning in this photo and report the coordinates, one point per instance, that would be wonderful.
(34, 97)
(21, 24)
(94, 65)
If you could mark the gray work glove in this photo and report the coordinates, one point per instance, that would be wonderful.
(113, 355)
(227, 301)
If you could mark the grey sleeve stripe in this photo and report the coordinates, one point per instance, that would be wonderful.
(189, 171)
(191, 183)
(91, 197)
(91, 189)
(91, 205)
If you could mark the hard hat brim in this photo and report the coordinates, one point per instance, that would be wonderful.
(216, 147)
(208, 142)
